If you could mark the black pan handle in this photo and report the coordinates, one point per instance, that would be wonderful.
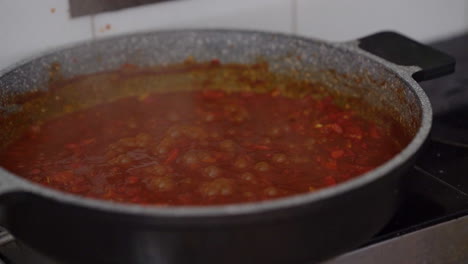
(401, 50)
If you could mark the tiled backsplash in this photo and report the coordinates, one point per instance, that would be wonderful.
(272, 15)
(29, 27)
(423, 20)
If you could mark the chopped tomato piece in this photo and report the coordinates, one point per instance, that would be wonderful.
(172, 156)
(337, 154)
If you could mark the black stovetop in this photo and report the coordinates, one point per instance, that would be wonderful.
(436, 187)
(431, 224)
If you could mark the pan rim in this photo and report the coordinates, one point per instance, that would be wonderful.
(402, 73)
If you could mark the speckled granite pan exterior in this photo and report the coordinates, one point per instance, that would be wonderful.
(296, 229)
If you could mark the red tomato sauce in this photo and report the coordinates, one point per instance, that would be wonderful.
(201, 147)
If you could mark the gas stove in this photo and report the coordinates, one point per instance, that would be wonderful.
(431, 224)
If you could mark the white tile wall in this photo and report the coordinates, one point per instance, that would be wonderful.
(29, 26)
(272, 15)
(424, 20)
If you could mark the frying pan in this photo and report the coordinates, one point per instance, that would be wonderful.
(382, 69)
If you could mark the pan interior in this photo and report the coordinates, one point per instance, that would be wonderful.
(341, 71)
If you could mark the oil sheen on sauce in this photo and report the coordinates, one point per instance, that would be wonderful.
(201, 146)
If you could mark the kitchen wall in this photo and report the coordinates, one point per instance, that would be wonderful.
(28, 27)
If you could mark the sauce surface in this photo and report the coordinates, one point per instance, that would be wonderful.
(201, 147)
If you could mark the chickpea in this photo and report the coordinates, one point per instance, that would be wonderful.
(248, 176)
(236, 113)
(195, 132)
(310, 144)
(262, 166)
(142, 139)
(300, 159)
(132, 124)
(286, 129)
(274, 132)
(212, 171)
(209, 117)
(117, 146)
(83, 170)
(266, 141)
(279, 158)
(161, 149)
(231, 132)
(186, 181)
(215, 135)
(174, 133)
(161, 184)
(190, 158)
(228, 145)
(163, 146)
(271, 191)
(248, 194)
(122, 159)
(157, 169)
(113, 152)
(206, 157)
(139, 140)
(127, 142)
(62, 177)
(239, 117)
(36, 128)
(218, 187)
(241, 163)
(173, 116)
